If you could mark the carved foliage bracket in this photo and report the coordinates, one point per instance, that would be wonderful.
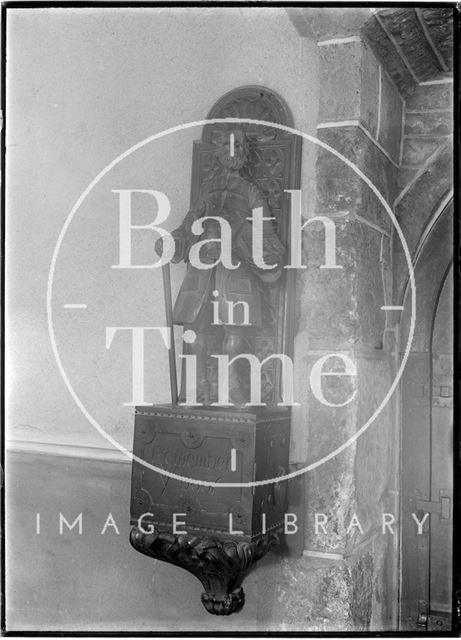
(220, 565)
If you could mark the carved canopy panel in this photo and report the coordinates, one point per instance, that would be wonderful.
(274, 165)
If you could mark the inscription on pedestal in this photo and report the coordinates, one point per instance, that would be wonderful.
(198, 445)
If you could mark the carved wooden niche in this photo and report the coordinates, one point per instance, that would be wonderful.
(275, 166)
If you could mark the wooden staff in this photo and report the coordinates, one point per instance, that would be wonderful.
(169, 322)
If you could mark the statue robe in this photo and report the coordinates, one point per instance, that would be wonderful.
(231, 197)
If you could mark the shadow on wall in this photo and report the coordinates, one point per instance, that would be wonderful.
(95, 581)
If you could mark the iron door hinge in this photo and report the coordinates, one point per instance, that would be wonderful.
(442, 507)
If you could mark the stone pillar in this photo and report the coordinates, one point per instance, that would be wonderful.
(347, 578)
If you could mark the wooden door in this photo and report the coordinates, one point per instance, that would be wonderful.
(427, 474)
(441, 467)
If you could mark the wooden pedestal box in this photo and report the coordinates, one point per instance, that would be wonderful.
(198, 444)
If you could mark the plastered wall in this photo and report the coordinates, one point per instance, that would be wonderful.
(84, 85)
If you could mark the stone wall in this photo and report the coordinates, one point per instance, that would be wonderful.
(382, 110)
(425, 177)
(348, 571)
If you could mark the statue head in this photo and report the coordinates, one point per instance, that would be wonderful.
(241, 149)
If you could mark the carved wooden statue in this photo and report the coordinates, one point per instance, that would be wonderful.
(237, 293)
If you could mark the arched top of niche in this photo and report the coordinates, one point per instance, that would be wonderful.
(253, 103)
(431, 266)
